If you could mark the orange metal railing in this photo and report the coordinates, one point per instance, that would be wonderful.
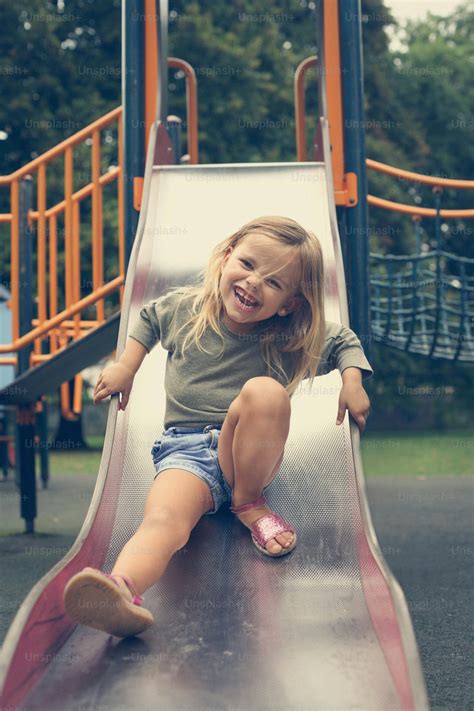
(345, 184)
(53, 329)
(414, 210)
(151, 79)
(300, 124)
(300, 114)
(191, 106)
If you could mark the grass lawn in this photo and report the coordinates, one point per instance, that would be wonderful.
(418, 453)
(79, 461)
(383, 453)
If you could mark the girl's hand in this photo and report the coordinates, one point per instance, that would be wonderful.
(116, 378)
(355, 399)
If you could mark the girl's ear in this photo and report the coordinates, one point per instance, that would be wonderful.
(227, 253)
(291, 305)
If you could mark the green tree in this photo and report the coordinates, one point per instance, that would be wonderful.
(244, 59)
(60, 70)
(435, 64)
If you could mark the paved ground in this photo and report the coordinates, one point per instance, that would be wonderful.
(425, 530)
(424, 527)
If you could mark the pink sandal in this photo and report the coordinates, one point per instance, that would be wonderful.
(93, 598)
(267, 527)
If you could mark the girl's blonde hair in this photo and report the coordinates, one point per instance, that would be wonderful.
(302, 331)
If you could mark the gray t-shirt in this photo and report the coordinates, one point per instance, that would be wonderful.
(200, 387)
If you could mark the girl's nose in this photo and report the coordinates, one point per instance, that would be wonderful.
(253, 281)
(251, 287)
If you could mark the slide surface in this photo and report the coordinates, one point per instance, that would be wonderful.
(326, 627)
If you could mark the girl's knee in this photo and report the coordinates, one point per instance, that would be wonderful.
(166, 522)
(267, 394)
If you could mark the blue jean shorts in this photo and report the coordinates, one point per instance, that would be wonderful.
(193, 449)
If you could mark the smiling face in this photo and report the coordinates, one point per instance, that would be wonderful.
(252, 271)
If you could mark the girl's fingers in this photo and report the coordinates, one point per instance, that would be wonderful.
(102, 392)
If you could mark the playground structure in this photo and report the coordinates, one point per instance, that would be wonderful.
(421, 302)
(347, 576)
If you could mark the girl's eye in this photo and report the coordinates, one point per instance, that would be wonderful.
(245, 262)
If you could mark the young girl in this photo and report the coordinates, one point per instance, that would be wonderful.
(239, 344)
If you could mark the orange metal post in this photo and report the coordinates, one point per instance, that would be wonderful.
(77, 403)
(41, 260)
(76, 263)
(40, 254)
(300, 74)
(150, 62)
(15, 257)
(64, 397)
(68, 224)
(333, 91)
(97, 230)
(121, 204)
(191, 106)
(347, 194)
(53, 277)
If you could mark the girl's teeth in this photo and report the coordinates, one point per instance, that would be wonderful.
(247, 301)
(243, 301)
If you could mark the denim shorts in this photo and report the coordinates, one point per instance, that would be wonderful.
(193, 449)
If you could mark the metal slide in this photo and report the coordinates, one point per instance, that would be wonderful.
(325, 628)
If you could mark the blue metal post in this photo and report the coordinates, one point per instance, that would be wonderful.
(25, 429)
(174, 124)
(355, 222)
(133, 83)
(42, 422)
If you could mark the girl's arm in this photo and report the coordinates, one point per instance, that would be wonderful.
(118, 377)
(133, 355)
(353, 397)
(343, 350)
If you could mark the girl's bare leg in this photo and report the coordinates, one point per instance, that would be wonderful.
(176, 502)
(251, 446)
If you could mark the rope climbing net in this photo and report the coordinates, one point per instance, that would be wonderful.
(424, 302)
